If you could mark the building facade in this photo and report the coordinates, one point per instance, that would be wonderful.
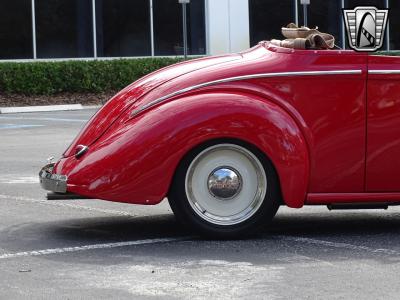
(49, 29)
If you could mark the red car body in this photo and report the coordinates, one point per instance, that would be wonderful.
(329, 120)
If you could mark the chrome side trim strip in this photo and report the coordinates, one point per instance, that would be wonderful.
(245, 77)
(383, 72)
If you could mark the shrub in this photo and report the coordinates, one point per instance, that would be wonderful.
(47, 78)
(392, 53)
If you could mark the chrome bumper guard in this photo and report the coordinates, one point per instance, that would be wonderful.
(52, 182)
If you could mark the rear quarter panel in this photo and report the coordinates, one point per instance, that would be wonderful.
(311, 127)
(136, 161)
(329, 109)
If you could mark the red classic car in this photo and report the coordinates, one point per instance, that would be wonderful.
(229, 139)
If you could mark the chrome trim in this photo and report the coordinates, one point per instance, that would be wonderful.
(52, 182)
(384, 72)
(245, 77)
(224, 183)
(80, 150)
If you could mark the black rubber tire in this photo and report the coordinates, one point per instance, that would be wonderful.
(185, 214)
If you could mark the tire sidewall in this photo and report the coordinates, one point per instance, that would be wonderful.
(184, 212)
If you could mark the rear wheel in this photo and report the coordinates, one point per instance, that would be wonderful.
(225, 190)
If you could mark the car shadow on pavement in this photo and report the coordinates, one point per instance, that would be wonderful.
(116, 229)
(344, 223)
(299, 234)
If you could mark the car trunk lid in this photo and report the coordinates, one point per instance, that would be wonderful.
(111, 111)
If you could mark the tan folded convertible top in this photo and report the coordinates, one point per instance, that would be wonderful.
(304, 38)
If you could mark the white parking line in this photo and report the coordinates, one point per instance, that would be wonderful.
(19, 179)
(91, 247)
(68, 205)
(339, 245)
(18, 126)
(44, 119)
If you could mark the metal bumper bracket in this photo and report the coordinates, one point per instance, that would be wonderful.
(52, 182)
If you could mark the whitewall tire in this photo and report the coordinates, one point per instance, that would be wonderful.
(225, 189)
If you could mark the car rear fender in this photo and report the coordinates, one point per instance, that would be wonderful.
(200, 118)
(136, 159)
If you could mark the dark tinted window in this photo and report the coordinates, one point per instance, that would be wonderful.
(326, 15)
(168, 33)
(394, 21)
(123, 27)
(267, 18)
(15, 29)
(196, 27)
(64, 28)
(353, 3)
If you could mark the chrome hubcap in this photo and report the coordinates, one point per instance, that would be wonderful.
(224, 183)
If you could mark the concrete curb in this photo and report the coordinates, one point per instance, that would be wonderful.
(92, 106)
(44, 108)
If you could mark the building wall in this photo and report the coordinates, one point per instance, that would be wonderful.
(32, 29)
(227, 26)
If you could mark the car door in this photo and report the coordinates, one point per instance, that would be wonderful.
(383, 124)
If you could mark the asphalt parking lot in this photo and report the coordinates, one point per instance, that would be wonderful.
(95, 249)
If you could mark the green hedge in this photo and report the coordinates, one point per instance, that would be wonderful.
(392, 53)
(46, 78)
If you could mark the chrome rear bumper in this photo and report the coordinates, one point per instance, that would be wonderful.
(52, 182)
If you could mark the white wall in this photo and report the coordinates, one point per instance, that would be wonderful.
(227, 23)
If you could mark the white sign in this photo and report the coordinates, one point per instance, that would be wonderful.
(184, 1)
(305, 2)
